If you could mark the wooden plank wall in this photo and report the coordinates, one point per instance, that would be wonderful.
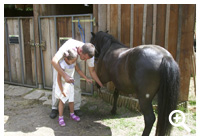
(6, 67)
(186, 47)
(28, 54)
(13, 29)
(171, 26)
(48, 32)
(64, 29)
(77, 36)
(48, 35)
(83, 66)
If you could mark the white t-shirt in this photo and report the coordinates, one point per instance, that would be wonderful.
(69, 69)
(64, 65)
(73, 44)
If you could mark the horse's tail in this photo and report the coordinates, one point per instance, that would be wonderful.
(168, 94)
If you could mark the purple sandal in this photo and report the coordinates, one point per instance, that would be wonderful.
(74, 117)
(61, 121)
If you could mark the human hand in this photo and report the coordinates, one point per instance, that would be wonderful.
(68, 79)
(63, 94)
(103, 88)
(89, 81)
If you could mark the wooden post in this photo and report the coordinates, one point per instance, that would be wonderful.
(138, 24)
(149, 24)
(102, 12)
(173, 29)
(36, 13)
(154, 24)
(95, 14)
(186, 47)
(160, 25)
(125, 24)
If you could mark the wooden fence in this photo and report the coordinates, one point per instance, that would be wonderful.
(54, 34)
(19, 57)
(170, 26)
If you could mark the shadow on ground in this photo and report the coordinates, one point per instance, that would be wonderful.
(30, 117)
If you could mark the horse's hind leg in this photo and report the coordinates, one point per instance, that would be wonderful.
(115, 95)
(149, 117)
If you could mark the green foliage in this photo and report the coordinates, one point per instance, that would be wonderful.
(192, 103)
(193, 131)
(183, 109)
(29, 9)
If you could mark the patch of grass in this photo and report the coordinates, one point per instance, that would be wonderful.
(133, 133)
(125, 123)
(183, 109)
(194, 115)
(192, 103)
(193, 131)
(180, 128)
(95, 95)
(124, 126)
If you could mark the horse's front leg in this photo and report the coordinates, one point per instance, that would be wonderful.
(115, 95)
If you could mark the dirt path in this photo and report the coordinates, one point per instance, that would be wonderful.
(30, 117)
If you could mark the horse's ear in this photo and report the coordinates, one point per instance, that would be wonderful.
(93, 34)
(107, 31)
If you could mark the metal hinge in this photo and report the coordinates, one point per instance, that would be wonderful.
(86, 20)
(42, 45)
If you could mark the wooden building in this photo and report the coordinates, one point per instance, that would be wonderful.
(31, 42)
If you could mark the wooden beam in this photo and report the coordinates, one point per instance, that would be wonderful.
(160, 25)
(173, 29)
(36, 13)
(95, 14)
(102, 17)
(125, 24)
(154, 24)
(131, 26)
(149, 24)
(167, 26)
(186, 48)
(144, 24)
(138, 24)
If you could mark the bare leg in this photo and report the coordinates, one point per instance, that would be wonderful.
(71, 107)
(60, 107)
(72, 115)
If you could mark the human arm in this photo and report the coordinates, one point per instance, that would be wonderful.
(89, 81)
(60, 84)
(94, 76)
(55, 63)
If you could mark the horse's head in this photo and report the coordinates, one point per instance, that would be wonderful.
(94, 41)
(98, 40)
(101, 41)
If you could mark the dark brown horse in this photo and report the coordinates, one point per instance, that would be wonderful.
(145, 70)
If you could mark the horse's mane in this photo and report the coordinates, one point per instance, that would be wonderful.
(104, 41)
(103, 36)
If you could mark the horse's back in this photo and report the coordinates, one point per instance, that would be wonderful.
(139, 67)
(148, 56)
